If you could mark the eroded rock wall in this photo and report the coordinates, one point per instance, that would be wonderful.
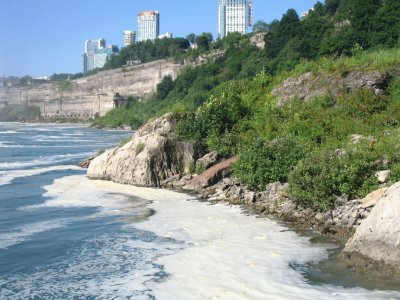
(94, 94)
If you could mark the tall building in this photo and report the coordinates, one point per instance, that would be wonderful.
(234, 16)
(129, 37)
(148, 25)
(96, 54)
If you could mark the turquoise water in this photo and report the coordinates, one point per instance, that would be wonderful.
(63, 236)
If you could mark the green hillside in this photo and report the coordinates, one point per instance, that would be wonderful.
(326, 147)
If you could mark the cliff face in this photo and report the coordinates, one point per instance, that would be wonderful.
(149, 158)
(88, 96)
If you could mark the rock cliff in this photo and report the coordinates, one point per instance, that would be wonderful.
(378, 237)
(150, 157)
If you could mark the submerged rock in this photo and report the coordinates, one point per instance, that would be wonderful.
(149, 158)
(378, 236)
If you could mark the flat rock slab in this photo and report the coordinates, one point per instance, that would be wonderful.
(372, 198)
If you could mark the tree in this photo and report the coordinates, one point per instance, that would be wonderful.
(164, 87)
(203, 41)
(385, 26)
(314, 27)
(280, 32)
(331, 6)
(191, 38)
(260, 26)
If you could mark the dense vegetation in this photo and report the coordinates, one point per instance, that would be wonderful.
(227, 103)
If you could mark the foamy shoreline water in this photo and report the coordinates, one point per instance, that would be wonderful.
(229, 255)
(63, 236)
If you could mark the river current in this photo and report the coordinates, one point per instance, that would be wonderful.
(63, 236)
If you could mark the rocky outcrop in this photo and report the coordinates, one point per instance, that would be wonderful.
(378, 237)
(149, 158)
(310, 85)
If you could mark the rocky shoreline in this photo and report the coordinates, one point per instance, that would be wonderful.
(153, 157)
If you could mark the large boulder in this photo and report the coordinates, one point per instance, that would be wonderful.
(378, 236)
(150, 157)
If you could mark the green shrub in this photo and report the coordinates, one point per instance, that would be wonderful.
(320, 177)
(264, 162)
(200, 168)
(139, 148)
(192, 167)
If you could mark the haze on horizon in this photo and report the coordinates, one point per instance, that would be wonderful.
(44, 37)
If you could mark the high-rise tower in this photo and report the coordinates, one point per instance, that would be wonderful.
(148, 25)
(129, 37)
(234, 16)
(96, 54)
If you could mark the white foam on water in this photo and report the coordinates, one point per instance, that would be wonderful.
(48, 160)
(104, 267)
(25, 232)
(226, 254)
(8, 132)
(6, 177)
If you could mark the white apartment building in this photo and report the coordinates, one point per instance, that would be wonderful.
(148, 25)
(233, 16)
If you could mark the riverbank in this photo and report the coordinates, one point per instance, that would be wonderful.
(153, 157)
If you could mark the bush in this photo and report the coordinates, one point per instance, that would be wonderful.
(319, 178)
(200, 168)
(192, 167)
(264, 162)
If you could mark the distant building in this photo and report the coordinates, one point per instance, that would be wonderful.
(305, 14)
(96, 54)
(167, 35)
(129, 37)
(234, 16)
(148, 25)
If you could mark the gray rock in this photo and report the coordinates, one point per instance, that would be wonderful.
(310, 85)
(372, 198)
(151, 157)
(383, 176)
(208, 160)
(249, 197)
(378, 236)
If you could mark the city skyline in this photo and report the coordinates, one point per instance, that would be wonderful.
(46, 37)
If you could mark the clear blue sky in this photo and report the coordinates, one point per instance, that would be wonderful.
(42, 37)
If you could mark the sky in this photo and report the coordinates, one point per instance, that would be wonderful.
(43, 37)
